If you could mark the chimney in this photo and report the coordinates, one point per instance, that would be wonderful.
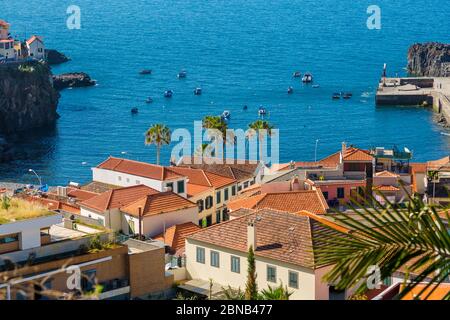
(251, 234)
(344, 148)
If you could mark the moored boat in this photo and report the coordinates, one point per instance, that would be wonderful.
(226, 115)
(197, 91)
(134, 110)
(168, 94)
(297, 74)
(307, 78)
(182, 74)
(290, 90)
(146, 71)
(262, 111)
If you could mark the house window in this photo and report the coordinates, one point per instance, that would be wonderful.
(119, 178)
(200, 204)
(200, 255)
(128, 180)
(215, 259)
(218, 216)
(340, 193)
(209, 220)
(245, 184)
(271, 274)
(209, 202)
(233, 190)
(225, 215)
(218, 199)
(293, 279)
(325, 195)
(225, 194)
(239, 188)
(138, 182)
(235, 264)
(180, 186)
(169, 186)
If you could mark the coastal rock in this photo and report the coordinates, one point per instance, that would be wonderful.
(429, 59)
(55, 57)
(72, 80)
(27, 97)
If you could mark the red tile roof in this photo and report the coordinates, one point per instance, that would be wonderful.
(292, 201)
(140, 169)
(175, 236)
(385, 188)
(79, 194)
(281, 236)
(157, 203)
(4, 23)
(355, 154)
(331, 161)
(439, 294)
(441, 164)
(386, 174)
(117, 198)
(33, 39)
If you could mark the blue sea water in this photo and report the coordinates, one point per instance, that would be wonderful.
(241, 52)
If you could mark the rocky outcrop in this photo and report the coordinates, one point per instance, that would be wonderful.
(55, 57)
(72, 80)
(429, 60)
(27, 97)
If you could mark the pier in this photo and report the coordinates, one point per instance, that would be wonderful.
(427, 92)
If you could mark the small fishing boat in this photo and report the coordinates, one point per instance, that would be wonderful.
(226, 115)
(336, 96)
(290, 90)
(149, 100)
(262, 111)
(346, 96)
(197, 91)
(168, 94)
(145, 71)
(297, 74)
(307, 78)
(245, 107)
(182, 74)
(134, 110)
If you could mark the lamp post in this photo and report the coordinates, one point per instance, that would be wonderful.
(37, 176)
(315, 151)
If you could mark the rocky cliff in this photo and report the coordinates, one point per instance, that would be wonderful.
(429, 59)
(27, 97)
(55, 57)
(72, 80)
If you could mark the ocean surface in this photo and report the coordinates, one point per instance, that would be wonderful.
(241, 52)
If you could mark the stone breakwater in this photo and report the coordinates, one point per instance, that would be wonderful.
(72, 80)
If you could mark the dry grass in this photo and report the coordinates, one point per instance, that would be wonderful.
(19, 209)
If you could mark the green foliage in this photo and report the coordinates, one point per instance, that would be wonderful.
(276, 293)
(204, 223)
(231, 294)
(5, 203)
(217, 123)
(251, 287)
(260, 128)
(389, 237)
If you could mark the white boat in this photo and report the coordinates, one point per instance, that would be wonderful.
(290, 90)
(297, 74)
(182, 74)
(307, 78)
(168, 93)
(198, 91)
(262, 111)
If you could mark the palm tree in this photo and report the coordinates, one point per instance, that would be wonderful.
(390, 238)
(260, 128)
(276, 293)
(217, 123)
(159, 135)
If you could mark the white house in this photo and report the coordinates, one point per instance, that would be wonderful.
(284, 242)
(6, 42)
(120, 209)
(125, 173)
(36, 47)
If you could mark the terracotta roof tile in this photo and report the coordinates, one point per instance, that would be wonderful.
(293, 201)
(117, 198)
(79, 194)
(176, 235)
(439, 294)
(34, 38)
(441, 164)
(386, 174)
(281, 236)
(355, 154)
(385, 188)
(137, 168)
(204, 178)
(157, 203)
